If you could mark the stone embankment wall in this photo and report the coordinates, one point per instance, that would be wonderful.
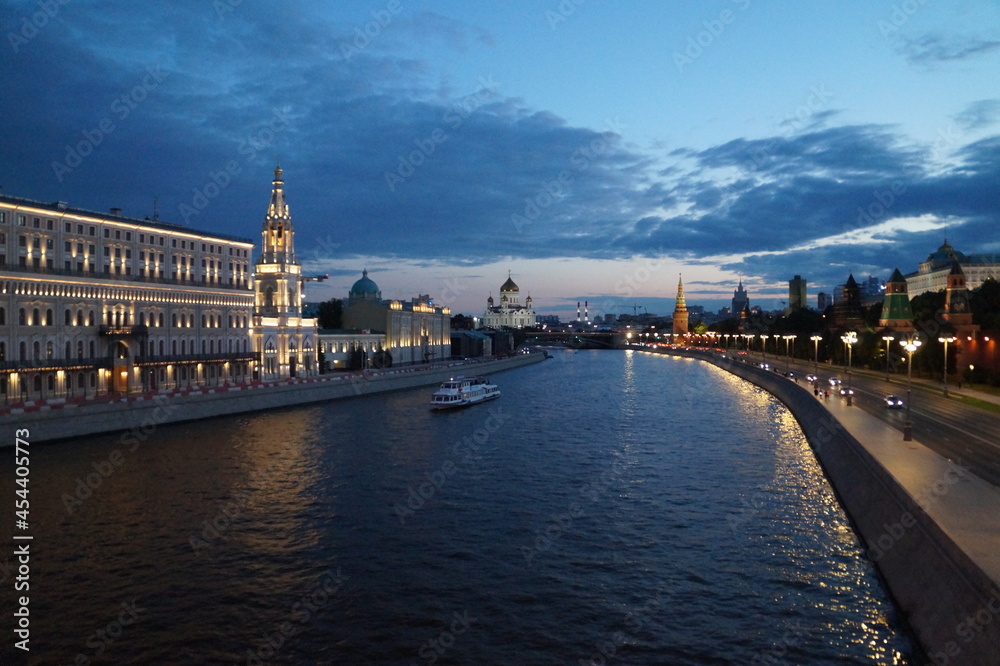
(949, 602)
(136, 417)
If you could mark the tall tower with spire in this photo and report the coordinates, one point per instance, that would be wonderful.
(680, 310)
(283, 339)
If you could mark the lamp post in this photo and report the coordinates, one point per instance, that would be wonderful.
(849, 339)
(887, 339)
(944, 375)
(789, 339)
(763, 348)
(816, 339)
(910, 345)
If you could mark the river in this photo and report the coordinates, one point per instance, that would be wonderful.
(612, 507)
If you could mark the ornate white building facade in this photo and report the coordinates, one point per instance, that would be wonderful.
(95, 303)
(932, 274)
(283, 340)
(509, 313)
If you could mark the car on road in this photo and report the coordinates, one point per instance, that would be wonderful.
(893, 402)
(844, 391)
(834, 381)
(810, 378)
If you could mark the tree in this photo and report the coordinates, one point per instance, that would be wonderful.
(331, 314)
(985, 305)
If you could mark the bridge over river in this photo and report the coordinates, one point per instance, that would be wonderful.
(581, 340)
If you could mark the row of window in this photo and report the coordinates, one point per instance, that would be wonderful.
(185, 346)
(120, 318)
(119, 234)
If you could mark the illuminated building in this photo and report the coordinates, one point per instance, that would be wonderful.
(416, 331)
(932, 274)
(283, 340)
(92, 303)
(680, 310)
(509, 313)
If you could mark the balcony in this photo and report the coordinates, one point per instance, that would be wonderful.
(131, 331)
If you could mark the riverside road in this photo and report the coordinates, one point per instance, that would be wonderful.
(966, 435)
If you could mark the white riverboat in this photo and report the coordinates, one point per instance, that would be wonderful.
(463, 391)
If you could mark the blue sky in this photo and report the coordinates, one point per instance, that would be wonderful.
(595, 149)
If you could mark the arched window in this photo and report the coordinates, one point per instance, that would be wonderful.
(173, 320)
(161, 347)
(79, 317)
(49, 317)
(79, 349)
(36, 317)
(90, 319)
(142, 319)
(51, 382)
(21, 319)
(37, 349)
(69, 349)
(161, 319)
(81, 382)
(69, 318)
(269, 297)
(3, 316)
(49, 349)
(203, 324)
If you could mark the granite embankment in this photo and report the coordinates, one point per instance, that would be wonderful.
(136, 416)
(930, 527)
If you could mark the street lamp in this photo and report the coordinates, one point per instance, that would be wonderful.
(816, 339)
(944, 378)
(849, 339)
(910, 345)
(788, 359)
(763, 347)
(887, 339)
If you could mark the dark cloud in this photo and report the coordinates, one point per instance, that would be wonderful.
(980, 114)
(932, 47)
(382, 160)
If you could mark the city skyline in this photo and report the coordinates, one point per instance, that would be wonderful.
(594, 150)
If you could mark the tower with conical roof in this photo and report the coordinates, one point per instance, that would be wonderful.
(956, 301)
(896, 311)
(741, 300)
(283, 339)
(680, 310)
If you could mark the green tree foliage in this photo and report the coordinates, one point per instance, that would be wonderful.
(985, 304)
(331, 314)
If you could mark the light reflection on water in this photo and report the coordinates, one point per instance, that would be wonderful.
(629, 507)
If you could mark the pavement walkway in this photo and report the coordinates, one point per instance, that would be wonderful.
(966, 507)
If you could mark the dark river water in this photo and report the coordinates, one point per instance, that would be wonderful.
(610, 508)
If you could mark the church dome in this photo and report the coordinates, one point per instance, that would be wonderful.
(365, 289)
(945, 255)
(509, 286)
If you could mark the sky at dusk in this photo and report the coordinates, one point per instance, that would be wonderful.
(594, 149)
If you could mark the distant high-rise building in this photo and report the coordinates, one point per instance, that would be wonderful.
(797, 294)
(680, 310)
(872, 291)
(740, 299)
(823, 301)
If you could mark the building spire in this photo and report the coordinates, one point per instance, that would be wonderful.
(680, 310)
(277, 234)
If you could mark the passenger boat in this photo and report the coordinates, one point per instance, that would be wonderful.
(463, 391)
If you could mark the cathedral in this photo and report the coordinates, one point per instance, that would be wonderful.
(509, 313)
